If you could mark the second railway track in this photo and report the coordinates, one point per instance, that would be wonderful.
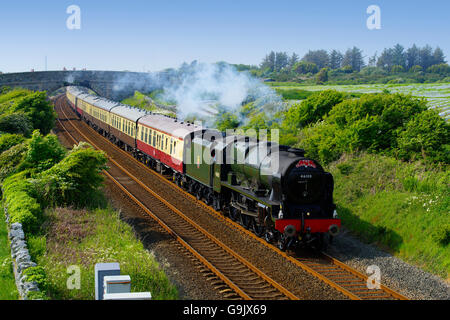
(339, 276)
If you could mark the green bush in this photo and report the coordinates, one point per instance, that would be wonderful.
(425, 136)
(391, 123)
(22, 207)
(43, 152)
(389, 111)
(17, 123)
(37, 245)
(10, 140)
(226, 120)
(442, 69)
(38, 109)
(11, 159)
(397, 69)
(73, 180)
(322, 76)
(312, 109)
(37, 295)
(38, 275)
(304, 67)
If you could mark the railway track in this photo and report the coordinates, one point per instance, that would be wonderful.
(242, 277)
(339, 276)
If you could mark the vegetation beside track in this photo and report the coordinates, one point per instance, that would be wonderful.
(37, 174)
(83, 238)
(150, 102)
(403, 207)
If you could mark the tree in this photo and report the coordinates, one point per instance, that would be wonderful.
(293, 60)
(353, 58)
(373, 60)
(438, 56)
(303, 67)
(335, 59)
(426, 57)
(269, 62)
(281, 60)
(399, 56)
(319, 57)
(386, 59)
(412, 57)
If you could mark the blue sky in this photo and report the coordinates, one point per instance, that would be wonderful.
(152, 35)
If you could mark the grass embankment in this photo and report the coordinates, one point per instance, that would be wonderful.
(8, 290)
(149, 102)
(403, 207)
(83, 238)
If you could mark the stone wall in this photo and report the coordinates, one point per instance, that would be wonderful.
(21, 258)
(114, 85)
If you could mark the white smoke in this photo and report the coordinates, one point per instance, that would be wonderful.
(204, 88)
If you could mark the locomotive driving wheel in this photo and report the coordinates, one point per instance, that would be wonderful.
(257, 228)
(235, 214)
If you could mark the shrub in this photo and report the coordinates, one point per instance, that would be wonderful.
(226, 120)
(442, 69)
(426, 136)
(322, 76)
(415, 69)
(389, 111)
(38, 109)
(10, 140)
(397, 69)
(75, 179)
(38, 275)
(43, 152)
(11, 159)
(312, 109)
(325, 142)
(22, 207)
(37, 245)
(17, 123)
(304, 67)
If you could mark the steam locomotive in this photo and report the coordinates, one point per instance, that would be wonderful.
(271, 189)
